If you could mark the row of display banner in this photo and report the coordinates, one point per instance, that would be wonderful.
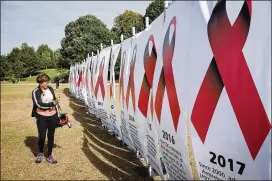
(205, 66)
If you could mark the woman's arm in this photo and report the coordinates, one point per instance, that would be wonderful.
(53, 92)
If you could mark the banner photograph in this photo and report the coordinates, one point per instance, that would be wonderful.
(193, 94)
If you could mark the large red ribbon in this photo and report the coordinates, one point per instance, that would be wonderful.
(111, 87)
(130, 87)
(100, 81)
(229, 68)
(121, 88)
(85, 77)
(111, 78)
(167, 78)
(92, 69)
(79, 79)
(147, 83)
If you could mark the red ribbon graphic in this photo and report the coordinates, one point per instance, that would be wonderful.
(100, 81)
(167, 79)
(229, 68)
(92, 68)
(131, 80)
(111, 78)
(121, 93)
(149, 66)
(79, 79)
(111, 87)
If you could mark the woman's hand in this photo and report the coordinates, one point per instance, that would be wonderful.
(55, 102)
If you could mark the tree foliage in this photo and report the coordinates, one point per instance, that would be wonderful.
(58, 59)
(45, 57)
(17, 65)
(28, 57)
(123, 25)
(4, 67)
(20, 62)
(117, 66)
(83, 36)
(154, 9)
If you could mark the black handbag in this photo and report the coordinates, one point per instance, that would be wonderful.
(62, 118)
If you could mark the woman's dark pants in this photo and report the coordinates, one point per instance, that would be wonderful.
(46, 123)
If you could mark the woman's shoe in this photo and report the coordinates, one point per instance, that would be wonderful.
(51, 160)
(39, 158)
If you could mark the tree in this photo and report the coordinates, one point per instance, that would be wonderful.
(28, 57)
(123, 25)
(17, 66)
(44, 57)
(117, 66)
(83, 36)
(154, 9)
(58, 59)
(4, 67)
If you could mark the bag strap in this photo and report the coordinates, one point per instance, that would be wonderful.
(58, 109)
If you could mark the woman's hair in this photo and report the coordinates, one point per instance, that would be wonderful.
(42, 78)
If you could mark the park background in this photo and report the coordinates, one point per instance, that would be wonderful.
(85, 151)
(81, 37)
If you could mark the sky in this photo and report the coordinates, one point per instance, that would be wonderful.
(43, 22)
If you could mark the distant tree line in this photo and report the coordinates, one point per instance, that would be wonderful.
(82, 36)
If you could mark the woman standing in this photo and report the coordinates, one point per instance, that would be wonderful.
(44, 110)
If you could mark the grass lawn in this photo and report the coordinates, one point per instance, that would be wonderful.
(50, 72)
(84, 152)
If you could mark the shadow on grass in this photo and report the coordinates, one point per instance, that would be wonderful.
(32, 143)
(105, 152)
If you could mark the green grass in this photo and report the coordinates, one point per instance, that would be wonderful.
(50, 72)
(84, 152)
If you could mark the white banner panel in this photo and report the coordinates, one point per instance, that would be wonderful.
(123, 80)
(230, 92)
(115, 121)
(93, 81)
(145, 67)
(136, 127)
(170, 87)
(73, 79)
(89, 89)
(76, 79)
(84, 83)
(100, 90)
(79, 81)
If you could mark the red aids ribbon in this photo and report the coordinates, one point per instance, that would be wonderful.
(149, 67)
(79, 79)
(130, 86)
(121, 88)
(111, 78)
(229, 68)
(167, 78)
(100, 81)
(92, 68)
(111, 87)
